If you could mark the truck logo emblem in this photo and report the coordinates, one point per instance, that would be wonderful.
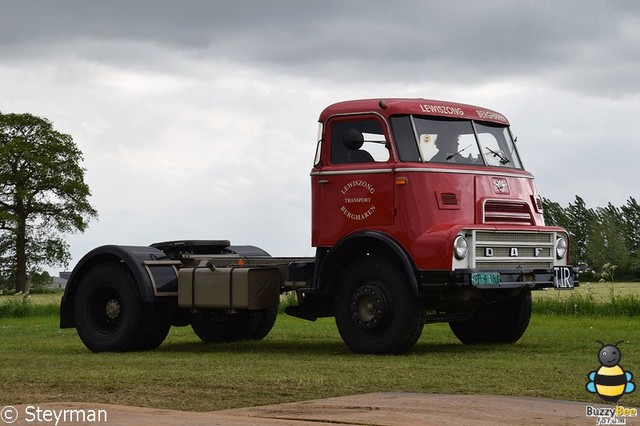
(357, 202)
(501, 186)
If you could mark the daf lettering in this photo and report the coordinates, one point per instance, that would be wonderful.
(488, 252)
(513, 252)
(537, 251)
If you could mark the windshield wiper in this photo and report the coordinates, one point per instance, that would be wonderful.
(503, 160)
(449, 157)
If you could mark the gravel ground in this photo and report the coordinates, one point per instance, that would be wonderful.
(368, 409)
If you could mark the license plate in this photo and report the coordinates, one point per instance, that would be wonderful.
(485, 278)
(562, 278)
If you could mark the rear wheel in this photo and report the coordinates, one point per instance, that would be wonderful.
(221, 326)
(262, 321)
(376, 311)
(504, 321)
(109, 315)
(159, 318)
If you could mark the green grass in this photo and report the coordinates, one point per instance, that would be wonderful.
(590, 299)
(302, 360)
(600, 291)
(29, 305)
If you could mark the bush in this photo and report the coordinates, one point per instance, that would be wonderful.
(20, 306)
(581, 305)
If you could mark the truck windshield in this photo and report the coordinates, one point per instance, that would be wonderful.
(439, 140)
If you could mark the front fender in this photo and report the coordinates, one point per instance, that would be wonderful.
(355, 245)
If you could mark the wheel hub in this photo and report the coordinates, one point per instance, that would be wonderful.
(369, 307)
(112, 309)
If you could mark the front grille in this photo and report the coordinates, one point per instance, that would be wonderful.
(512, 212)
(514, 237)
(510, 265)
(495, 250)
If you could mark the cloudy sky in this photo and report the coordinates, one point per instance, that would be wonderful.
(197, 119)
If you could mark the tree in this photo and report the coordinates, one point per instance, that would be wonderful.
(607, 242)
(554, 214)
(580, 222)
(42, 194)
(631, 223)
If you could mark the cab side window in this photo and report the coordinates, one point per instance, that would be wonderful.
(358, 141)
(405, 138)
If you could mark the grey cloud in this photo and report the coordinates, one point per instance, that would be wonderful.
(372, 41)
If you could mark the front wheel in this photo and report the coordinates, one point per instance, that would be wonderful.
(504, 321)
(376, 311)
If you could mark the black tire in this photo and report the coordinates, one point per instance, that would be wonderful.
(504, 321)
(159, 318)
(220, 326)
(376, 311)
(262, 321)
(109, 315)
(214, 326)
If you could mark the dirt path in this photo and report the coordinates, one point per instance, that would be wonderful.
(369, 409)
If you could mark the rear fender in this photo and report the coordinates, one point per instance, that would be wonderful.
(132, 256)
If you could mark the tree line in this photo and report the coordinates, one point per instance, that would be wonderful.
(600, 236)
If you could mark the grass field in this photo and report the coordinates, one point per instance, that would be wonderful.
(302, 360)
(601, 292)
(590, 299)
(25, 305)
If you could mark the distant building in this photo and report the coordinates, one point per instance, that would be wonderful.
(58, 282)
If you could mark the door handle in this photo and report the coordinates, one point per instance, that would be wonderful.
(324, 181)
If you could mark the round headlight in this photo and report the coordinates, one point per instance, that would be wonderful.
(460, 247)
(561, 247)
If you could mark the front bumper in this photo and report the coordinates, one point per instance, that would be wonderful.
(561, 278)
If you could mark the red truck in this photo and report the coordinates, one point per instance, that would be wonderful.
(422, 212)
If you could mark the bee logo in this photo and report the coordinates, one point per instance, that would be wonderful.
(610, 381)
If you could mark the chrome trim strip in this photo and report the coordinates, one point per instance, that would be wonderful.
(423, 170)
(466, 172)
(352, 172)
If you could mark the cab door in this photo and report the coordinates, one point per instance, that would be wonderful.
(352, 185)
